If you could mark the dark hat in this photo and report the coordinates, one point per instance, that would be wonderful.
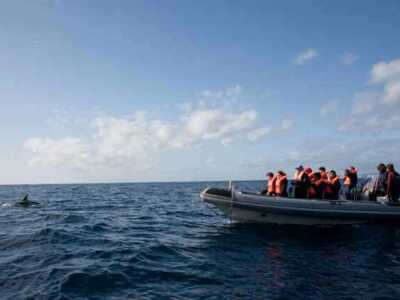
(300, 167)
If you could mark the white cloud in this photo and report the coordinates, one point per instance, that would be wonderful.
(349, 59)
(384, 71)
(57, 152)
(392, 92)
(137, 139)
(210, 124)
(378, 107)
(228, 93)
(365, 102)
(305, 56)
(258, 133)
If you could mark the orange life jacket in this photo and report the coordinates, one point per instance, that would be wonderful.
(324, 175)
(280, 184)
(271, 185)
(347, 181)
(298, 175)
(330, 183)
(334, 180)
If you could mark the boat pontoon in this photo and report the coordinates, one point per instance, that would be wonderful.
(256, 208)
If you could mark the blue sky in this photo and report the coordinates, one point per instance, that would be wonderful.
(95, 91)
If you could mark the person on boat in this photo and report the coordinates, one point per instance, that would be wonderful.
(332, 186)
(270, 190)
(299, 170)
(319, 185)
(380, 184)
(301, 183)
(311, 193)
(324, 174)
(392, 184)
(281, 184)
(354, 175)
(350, 182)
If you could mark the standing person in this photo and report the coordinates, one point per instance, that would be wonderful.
(392, 184)
(380, 187)
(347, 183)
(281, 184)
(350, 183)
(270, 190)
(333, 186)
(299, 169)
(301, 183)
(354, 176)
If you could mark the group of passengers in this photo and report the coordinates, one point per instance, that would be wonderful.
(322, 184)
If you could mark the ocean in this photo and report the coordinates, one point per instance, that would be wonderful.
(159, 241)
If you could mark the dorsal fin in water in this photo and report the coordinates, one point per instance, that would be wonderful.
(25, 199)
(25, 202)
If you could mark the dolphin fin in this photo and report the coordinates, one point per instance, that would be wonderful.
(25, 198)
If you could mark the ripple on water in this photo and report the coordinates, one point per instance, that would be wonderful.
(158, 241)
(97, 280)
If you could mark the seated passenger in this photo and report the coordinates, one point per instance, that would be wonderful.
(301, 183)
(270, 190)
(333, 186)
(281, 184)
(324, 174)
(319, 185)
(311, 193)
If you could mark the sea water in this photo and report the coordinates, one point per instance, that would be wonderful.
(159, 241)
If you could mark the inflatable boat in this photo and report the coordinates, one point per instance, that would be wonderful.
(256, 208)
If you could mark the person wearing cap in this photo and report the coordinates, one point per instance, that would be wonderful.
(299, 170)
(301, 182)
